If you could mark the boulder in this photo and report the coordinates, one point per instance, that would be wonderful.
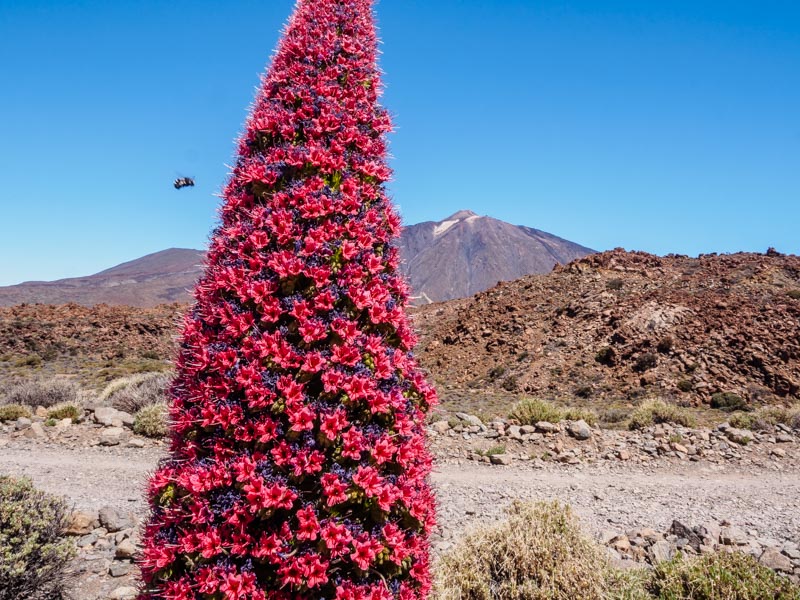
(500, 459)
(739, 436)
(126, 549)
(113, 436)
(471, 419)
(776, 561)
(545, 427)
(123, 593)
(35, 431)
(661, 551)
(733, 536)
(580, 430)
(441, 427)
(111, 520)
(81, 523)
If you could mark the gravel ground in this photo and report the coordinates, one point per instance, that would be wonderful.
(762, 502)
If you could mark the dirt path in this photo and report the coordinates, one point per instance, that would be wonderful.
(469, 493)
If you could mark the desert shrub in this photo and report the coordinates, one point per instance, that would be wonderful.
(729, 402)
(495, 450)
(510, 384)
(613, 415)
(532, 410)
(614, 284)
(766, 417)
(42, 392)
(628, 584)
(606, 356)
(657, 411)
(793, 294)
(31, 360)
(645, 362)
(33, 555)
(67, 410)
(538, 553)
(151, 421)
(12, 412)
(131, 394)
(576, 414)
(719, 576)
(685, 385)
(665, 345)
(584, 391)
(496, 372)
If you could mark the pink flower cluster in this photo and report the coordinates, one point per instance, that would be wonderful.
(298, 467)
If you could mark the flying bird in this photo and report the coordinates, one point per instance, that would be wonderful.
(183, 182)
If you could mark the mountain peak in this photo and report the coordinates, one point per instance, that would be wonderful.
(462, 214)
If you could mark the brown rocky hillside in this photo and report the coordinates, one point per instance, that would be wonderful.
(613, 327)
(619, 326)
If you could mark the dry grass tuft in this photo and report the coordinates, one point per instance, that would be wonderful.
(42, 392)
(538, 553)
(653, 412)
(531, 411)
(131, 394)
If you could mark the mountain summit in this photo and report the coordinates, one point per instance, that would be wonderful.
(453, 258)
(466, 253)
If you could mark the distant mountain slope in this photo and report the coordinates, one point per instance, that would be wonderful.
(159, 278)
(466, 254)
(454, 258)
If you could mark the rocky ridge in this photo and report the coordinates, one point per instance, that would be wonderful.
(619, 326)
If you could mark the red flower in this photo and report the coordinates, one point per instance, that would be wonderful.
(365, 549)
(298, 464)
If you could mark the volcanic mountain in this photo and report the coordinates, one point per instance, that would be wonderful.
(454, 258)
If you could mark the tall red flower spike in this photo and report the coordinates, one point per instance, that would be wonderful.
(298, 466)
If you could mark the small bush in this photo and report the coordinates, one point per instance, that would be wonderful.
(67, 410)
(657, 411)
(510, 384)
(576, 414)
(606, 356)
(584, 391)
(151, 421)
(719, 576)
(497, 372)
(793, 294)
(43, 392)
(31, 360)
(645, 362)
(614, 284)
(494, 451)
(33, 555)
(665, 345)
(131, 394)
(538, 554)
(12, 412)
(685, 385)
(767, 417)
(530, 411)
(613, 415)
(729, 402)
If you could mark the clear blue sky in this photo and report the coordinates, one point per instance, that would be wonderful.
(662, 126)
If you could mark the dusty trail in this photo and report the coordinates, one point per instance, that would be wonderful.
(470, 493)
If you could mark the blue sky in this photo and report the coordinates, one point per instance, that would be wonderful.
(662, 126)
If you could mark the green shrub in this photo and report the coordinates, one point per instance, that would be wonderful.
(729, 402)
(614, 284)
(130, 394)
(31, 360)
(67, 410)
(719, 576)
(539, 553)
(793, 294)
(742, 420)
(12, 412)
(495, 450)
(767, 417)
(151, 421)
(43, 392)
(33, 555)
(685, 385)
(606, 356)
(576, 414)
(645, 362)
(656, 411)
(531, 410)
